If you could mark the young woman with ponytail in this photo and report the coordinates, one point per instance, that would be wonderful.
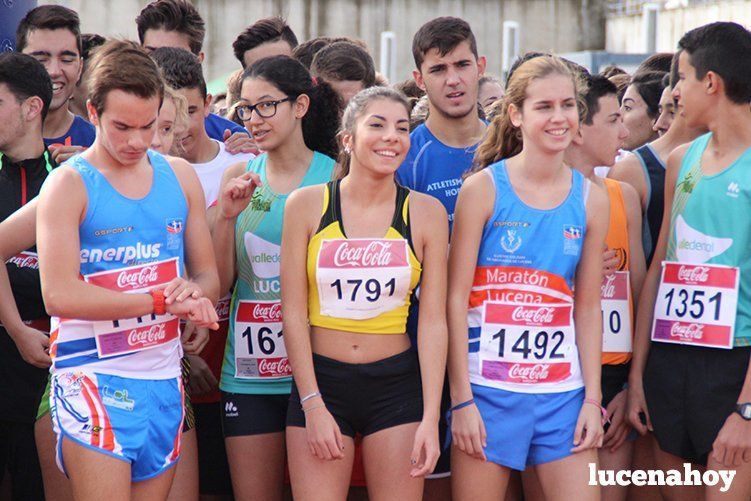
(294, 122)
(353, 252)
(525, 267)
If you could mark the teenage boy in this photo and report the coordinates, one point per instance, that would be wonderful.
(448, 69)
(25, 96)
(693, 381)
(267, 37)
(209, 157)
(177, 23)
(115, 290)
(600, 138)
(52, 35)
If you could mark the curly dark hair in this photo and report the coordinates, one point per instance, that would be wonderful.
(321, 123)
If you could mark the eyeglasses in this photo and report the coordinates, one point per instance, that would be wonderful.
(265, 109)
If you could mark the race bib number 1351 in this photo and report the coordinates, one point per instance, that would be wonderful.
(696, 305)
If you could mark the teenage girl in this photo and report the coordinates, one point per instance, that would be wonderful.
(292, 121)
(353, 252)
(527, 247)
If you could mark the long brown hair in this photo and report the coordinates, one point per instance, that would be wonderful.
(503, 139)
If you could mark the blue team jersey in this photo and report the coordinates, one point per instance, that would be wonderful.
(81, 133)
(216, 125)
(433, 168)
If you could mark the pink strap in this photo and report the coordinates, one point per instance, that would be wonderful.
(604, 411)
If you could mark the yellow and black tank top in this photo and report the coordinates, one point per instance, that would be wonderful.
(361, 284)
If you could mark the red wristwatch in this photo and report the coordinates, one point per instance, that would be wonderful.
(157, 296)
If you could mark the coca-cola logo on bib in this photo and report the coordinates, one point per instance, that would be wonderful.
(268, 312)
(542, 315)
(153, 335)
(607, 289)
(222, 309)
(25, 260)
(687, 331)
(376, 253)
(694, 274)
(137, 279)
(274, 367)
(524, 372)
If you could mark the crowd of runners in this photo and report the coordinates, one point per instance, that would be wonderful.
(253, 296)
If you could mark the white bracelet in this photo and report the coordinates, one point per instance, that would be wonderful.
(308, 397)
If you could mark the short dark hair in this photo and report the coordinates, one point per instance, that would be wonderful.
(444, 34)
(48, 17)
(597, 86)
(344, 61)
(674, 69)
(722, 48)
(89, 42)
(270, 29)
(621, 81)
(173, 15)
(307, 50)
(659, 61)
(123, 65)
(649, 86)
(180, 69)
(26, 77)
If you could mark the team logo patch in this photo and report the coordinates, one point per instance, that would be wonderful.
(572, 236)
(175, 225)
(572, 232)
(511, 241)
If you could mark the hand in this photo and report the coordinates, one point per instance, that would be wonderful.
(236, 194)
(610, 262)
(426, 450)
(61, 153)
(202, 380)
(179, 289)
(239, 142)
(194, 339)
(468, 431)
(733, 443)
(199, 311)
(588, 433)
(324, 436)
(33, 345)
(619, 427)
(637, 405)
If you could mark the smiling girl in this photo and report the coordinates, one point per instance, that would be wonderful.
(292, 121)
(353, 252)
(524, 364)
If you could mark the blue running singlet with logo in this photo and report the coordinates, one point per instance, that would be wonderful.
(127, 245)
(527, 256)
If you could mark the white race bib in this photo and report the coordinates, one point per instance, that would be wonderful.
(616, 313)
(118, 337)
(259, 343)
(362, 278)
(696, 305)
(527, 344)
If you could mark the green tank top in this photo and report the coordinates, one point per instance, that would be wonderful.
(257, 364)
(709, 223)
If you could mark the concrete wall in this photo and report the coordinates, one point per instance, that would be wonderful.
(624, 33)
(554, 25)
